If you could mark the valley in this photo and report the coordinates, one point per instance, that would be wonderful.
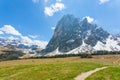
(76, 47)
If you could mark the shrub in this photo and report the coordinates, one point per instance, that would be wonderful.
(10, 55)
(86, 55)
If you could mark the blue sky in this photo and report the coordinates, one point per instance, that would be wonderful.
(37, 18)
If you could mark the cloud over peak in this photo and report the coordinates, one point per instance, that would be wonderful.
(89, 19)
(103, 1)
(53, 28)
(35, 1)
(53, 8)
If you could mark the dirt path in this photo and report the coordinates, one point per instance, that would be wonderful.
(83, 76)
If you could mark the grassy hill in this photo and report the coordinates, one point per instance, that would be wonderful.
(58, 68)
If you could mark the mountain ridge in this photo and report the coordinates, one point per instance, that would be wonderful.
(25, 47)
(72, 33)
(71, 36)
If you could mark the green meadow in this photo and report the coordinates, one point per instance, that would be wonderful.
(60, 68)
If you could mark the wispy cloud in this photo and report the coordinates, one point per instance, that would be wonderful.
(59, 0)
(103, 1)
(46, 0)
(1, 32)
(53, 28)
(33, 36)
(53, 8)
(8, 29)
(13, 38)
(35, 1)
(26, 39)
(56, 0)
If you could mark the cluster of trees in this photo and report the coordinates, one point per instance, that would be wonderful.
(10, 55)
(105, 52)
(13, 55)
(86, 55)
(89, 55)
(57, 56)
(65, 55)
(82, 55)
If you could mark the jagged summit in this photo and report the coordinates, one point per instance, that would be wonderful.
(85, 20)
(72, 33)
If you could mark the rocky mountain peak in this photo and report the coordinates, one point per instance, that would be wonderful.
(71, 33)
(84, 21)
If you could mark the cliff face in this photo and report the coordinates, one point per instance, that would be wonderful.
(70, 33)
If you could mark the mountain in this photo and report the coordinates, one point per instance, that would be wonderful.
(16, 43)
(73, 35)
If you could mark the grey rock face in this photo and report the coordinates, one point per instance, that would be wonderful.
(70, 33)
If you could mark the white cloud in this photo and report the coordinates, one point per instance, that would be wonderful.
(8, 29)
(54, 8)
(1, 32)
(13, 38)
(33, 36)
(46, 0)
(89, 19)
(26, 39)
(35, 1)
(103, 1)
(34, 42)
(53, 28)
(59, 0)
(49, 0)
(40, 43)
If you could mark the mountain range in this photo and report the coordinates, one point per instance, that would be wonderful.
(16, 43)
(73, 36)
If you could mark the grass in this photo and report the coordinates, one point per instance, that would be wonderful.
(111, 73)
(45, 69)
(52, 71)
(60, 68)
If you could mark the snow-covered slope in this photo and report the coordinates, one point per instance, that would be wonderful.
(112, 44)
(22, 45)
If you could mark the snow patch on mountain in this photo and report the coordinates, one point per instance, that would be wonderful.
(70, 41)
(81, 49)
(111, 44)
